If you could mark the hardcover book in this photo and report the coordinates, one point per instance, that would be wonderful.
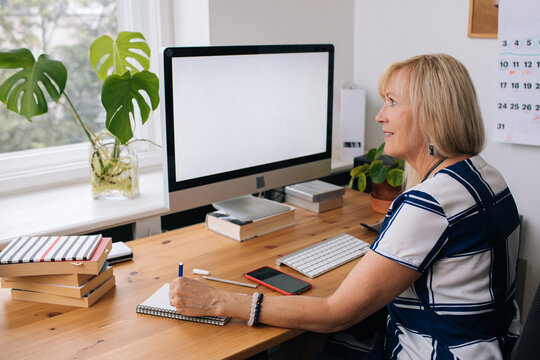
(61, 279)
(63, 290)
(90, 266)
(318, 207)
(49, 248)
(86, 301)
(315, 190)
(239, 230)
(158, 305)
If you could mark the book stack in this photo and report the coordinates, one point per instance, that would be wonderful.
(241, 230)
(64, 270)
(316, 195)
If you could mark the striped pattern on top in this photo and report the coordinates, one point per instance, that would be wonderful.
(460, 229)
(49, 248)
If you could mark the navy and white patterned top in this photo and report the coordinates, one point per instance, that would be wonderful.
(460, 229)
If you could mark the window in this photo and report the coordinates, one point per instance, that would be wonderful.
(63, 29)
(51, 149)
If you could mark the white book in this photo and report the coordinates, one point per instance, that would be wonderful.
(315, 190)
(318, 207)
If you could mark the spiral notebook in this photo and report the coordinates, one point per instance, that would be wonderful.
(158, 305)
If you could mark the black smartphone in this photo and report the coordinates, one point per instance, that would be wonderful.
(277, 280)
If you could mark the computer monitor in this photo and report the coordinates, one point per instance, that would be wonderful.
(243, 119)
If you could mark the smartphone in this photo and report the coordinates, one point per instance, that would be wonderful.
(277, 280)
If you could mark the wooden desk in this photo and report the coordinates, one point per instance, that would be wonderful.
(112, 329)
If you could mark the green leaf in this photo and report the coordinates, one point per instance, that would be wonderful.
(377, 171)
(395, 177)
(379, 152)
(118, 56)
(358, 170)
(22, 92)
(362, 182)
(370, 156)
(117, 97)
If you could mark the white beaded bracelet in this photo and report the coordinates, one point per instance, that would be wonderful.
(253, 308)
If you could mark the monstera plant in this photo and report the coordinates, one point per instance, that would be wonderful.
(122, 65)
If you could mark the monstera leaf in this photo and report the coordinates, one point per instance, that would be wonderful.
(22, 92)
(117, 97)
(109, 57)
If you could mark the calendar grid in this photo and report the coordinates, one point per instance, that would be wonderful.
(517, 115)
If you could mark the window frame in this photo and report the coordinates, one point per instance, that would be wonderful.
(36, 169)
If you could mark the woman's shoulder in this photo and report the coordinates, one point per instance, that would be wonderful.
(454, 188)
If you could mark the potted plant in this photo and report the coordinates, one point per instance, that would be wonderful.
(122, 65)
(386, 175)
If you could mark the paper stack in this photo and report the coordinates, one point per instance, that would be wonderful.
(65, 270)
(316, 195)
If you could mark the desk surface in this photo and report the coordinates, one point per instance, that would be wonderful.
(112, 329)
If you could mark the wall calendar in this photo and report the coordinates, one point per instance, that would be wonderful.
(517, 115)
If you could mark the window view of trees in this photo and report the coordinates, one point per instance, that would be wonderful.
(63, 29)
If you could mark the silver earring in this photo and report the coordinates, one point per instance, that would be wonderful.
(431, 149)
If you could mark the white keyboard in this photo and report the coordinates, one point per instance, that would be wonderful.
(326, 255)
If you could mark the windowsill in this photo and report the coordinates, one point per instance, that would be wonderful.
(70, 209)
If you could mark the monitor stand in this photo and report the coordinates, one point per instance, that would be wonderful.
(250, 208)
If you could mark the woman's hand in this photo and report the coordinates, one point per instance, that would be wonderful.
(193, 297)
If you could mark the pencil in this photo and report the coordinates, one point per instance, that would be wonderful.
(229, 281)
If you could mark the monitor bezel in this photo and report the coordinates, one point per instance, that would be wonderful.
(169, 53)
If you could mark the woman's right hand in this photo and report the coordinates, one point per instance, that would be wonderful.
(193, 297)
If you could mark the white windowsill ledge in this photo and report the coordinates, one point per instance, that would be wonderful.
(70, 209)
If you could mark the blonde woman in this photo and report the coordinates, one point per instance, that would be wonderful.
(444, 261)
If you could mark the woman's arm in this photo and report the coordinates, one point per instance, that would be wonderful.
(373, 283)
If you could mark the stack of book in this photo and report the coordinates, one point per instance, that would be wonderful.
(64, 270)
(240, 230)
(316, 195)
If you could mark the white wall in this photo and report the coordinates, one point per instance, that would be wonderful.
(243, 22)
(392, 30)
(370, 35)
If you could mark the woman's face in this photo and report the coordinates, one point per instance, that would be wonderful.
(403, 138)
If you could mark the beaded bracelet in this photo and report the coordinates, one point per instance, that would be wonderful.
(256, 301)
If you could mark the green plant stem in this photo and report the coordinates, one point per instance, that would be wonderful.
(116, 149)
(73, 112)
(87, 131)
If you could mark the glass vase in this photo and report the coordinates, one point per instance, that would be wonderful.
(113, 170)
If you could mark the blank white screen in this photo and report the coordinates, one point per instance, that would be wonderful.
(234, 112)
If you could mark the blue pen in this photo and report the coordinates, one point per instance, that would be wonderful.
(180, 269)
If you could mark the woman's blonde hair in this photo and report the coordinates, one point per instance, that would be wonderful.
(444, 104)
